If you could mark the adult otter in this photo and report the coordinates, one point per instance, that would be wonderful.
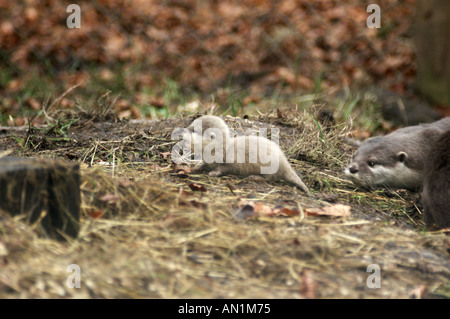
(436, 184)
(396, 160)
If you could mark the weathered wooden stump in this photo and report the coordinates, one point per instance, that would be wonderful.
(45, 192)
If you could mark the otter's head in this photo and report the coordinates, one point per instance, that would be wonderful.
(203, 139)
(379, 162)
(203, 123)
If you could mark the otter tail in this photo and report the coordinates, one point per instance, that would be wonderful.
(292, 178)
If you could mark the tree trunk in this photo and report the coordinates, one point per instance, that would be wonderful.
(432, 38)
(46, 192)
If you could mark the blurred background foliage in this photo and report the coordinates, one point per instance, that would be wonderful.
(163, 56)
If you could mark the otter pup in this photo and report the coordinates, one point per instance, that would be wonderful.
(436, 184)
(210, 138)
(397, 159)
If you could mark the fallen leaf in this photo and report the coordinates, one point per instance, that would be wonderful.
(66, 103)
(250, 209)
(308, 286)
(93, 213)
(262, 209)
(251, 99)
(106, 74)
(157, 103)
(6, 28)
(182, 171)
(14, 85)
(179, 169)
(33, 103)
(125, 114)
(31, 15)
(418, 292)
(284, 211)
(337, 210)
(197, 187)
(166, 155)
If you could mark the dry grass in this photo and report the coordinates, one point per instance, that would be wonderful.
(146, 234)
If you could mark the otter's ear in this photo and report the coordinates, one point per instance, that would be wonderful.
(402, 156)
(212, 135)
(186, 135)
(352, 142)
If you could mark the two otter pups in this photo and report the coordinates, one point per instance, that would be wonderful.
(245, 155)
(411, 158)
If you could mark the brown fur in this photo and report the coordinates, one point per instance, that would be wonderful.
(397, 159)
(436, 187)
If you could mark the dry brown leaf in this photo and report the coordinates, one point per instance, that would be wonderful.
(66, 103)
(6, 28)
(197, 187)
(262, 209)
(308, 286)
(284, 211)
(14, 85)
(337, 210)
(209, 49)
(418, 292)
(251, 99)
(94, 213)
(157, 103)
(250, 209)
(182, 169)
(124, 114)
(166, 155)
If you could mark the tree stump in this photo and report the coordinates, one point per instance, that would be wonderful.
(45, 192)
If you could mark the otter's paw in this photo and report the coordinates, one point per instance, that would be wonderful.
(215, 173)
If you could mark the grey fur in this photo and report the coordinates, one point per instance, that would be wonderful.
(398, 157)
(234, 145)
(436, 184)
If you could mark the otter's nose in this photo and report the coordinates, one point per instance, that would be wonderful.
(353, 169)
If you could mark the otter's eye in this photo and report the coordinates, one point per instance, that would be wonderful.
(371, 163)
